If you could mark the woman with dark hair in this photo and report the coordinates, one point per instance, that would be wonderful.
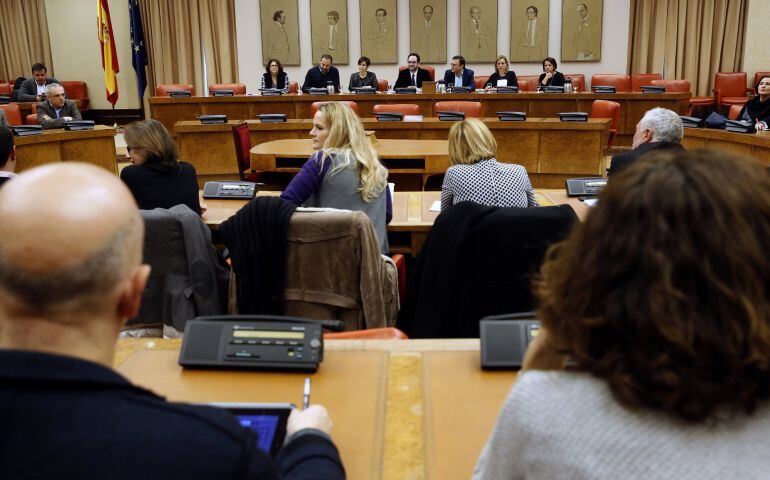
(550, 77)
(274, 76)
(363, 78)
(757, 110)
(156, 177)
(661, 304)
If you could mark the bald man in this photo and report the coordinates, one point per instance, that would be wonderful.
(70, 275)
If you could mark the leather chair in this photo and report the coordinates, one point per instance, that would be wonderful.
(382, 85)
(387, 333)
(641, 79)
(730, 89)
(5, 88)
(607, 109)
(402, 108)
(31, 119)
(164, 89)
(481, 80)
(527, 83)
(431, 71)
(758, 76)
(622, 83)
(242, 140)
(684, 86)
(471, 109)
(578, 81)
(293, 87)
(735, 111)
(12, 114)
(78, 91)
(237, 88)
(315, 105)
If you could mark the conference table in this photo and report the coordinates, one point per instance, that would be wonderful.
(755, 145)
(549, 149)
(170, 110)
(95, 146)
(397, 412)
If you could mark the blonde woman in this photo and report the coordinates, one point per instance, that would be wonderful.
(344, 172)
(476, 176)
(503, 76)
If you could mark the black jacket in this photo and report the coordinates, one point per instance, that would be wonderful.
(162, 185)
(510, 76)
(625, 159)
(63, 417)
(316, 79)
(28, 89)
(405, 78)
(556, 81)
(449, 78)
(758, 111)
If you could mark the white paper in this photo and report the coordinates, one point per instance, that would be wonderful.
(413, 118)
(392, 187)
(591, 202)
(502, 83)
(436, 206)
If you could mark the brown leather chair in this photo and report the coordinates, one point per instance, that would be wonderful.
(735, 111)
(481, 80)
(242, 140)
(402, 108)
(382, 85)
(12, 114)
(527, 83)
(314, 106)
(293, 87)
(730, 89)
(638, 80)
(5, 88)
(578, 81)
(387, 333)
(237, 88)
(471, 109)
(431, 71)
(757, 77)
(165, 89)
(78, 91)
(622, 83)
(607, 109)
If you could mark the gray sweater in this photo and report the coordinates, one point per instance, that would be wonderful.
(557, 425)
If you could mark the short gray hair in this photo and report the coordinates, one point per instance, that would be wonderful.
(50, 87)
(666, 125)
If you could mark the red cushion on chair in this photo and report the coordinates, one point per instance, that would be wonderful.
(237, 88)
(12, 114)
(638, 80)
(315, 105)
(470, 109)
(387, 333)
(607, 109)
(481, 80)
(402, 108)
(165, 89)
(622, 83)
(76, 90)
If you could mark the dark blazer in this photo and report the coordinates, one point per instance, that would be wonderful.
(28, 90)
(625, 159)
(510, 76)
(556, 81)
(46, 114)
(757, 110)
(449, 78)
(405, 78)
(267, 81)
(316, 79)
(356, 81)
(160, 185)
(63, 416)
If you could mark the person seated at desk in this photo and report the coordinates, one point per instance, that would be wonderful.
(33, 89)
(413, 75)
(458, 75)
(659, 129)
(320, 76)
(71, 274)
(363, 78)
(344, 172)
(550, 77)
(55, 109)
(7, 155)
(156, 176)
(757, 110)
(660, 303)
(476, 176)
(503, 77)
(274, 76)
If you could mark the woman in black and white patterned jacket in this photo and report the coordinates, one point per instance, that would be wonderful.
(476, 176)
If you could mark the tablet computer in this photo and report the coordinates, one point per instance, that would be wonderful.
(267, 420)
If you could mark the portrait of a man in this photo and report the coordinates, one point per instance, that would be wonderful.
(582, 30)
(529, 30)
(378, 30)
(329, 29)
(478, 30)
(428, 29)
(280, 34)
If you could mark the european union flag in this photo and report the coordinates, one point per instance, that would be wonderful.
(138, 50)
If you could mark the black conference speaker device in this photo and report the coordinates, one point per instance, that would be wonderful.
(504, 339)
(254, 342)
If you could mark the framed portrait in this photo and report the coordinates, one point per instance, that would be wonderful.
(280, 31)
(427, 30)
(478, 30)
(379, 38)
(329, 30)
(529, 30)
(581, 30)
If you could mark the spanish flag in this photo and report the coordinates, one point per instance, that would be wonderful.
(109, 55)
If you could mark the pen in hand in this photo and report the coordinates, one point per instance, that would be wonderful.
(306, 394)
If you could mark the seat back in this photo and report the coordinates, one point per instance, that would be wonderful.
(31, 119)
(757, 77)
(77, 90)
(402, 108)
(12, 114)
(242, 140)
(735, 111)
(431, 71)
(673, 85)
(470, 109)
(387, 333)
(237, 88)
(641, 79)
(731, 84)
(578, 81)
(607, 109)
(315, 105)
(481, 80)
(5, 88)
(622, 83)
(527, 83)
(165, 89)
(293, 87)
(382, 85)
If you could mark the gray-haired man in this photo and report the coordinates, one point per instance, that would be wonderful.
(55, 110)
(659, 129)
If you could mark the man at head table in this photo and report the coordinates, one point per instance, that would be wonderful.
(55, 109)
(33, 89)
(413, 75)
(320, 76)
(71, 274)
(458, 75)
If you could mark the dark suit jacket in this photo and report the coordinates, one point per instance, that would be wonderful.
(28, 90)
(510, 76)
(556, 81)
(46, 115)
(625, 159)
(405, 78)
(449, 78)
(63, 416)
(316, 79)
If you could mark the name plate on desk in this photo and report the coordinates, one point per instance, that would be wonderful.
(603, 89)
(406, 90)
(511, 116)
(573, 116)
(389, 116)
(450, 116)
(271, 92)
(179, 94)
(222, 93)
(26, 130)
(212, 119)
(76, 125)
(318, 91)
(364, 91)
(506, 89)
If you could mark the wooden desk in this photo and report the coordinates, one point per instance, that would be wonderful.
(632, 105)
(756, 145)
(396, 412)
(550, 150)
(95, 146)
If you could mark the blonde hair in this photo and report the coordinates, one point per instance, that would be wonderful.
(152, 137)
(347, 141)
(471, 141)
(507, 65)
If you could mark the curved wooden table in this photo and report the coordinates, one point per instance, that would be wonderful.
(756, 145)
(95, 146)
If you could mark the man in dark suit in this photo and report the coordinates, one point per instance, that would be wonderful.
(33, 89)
(70, 276)
(55, 109)
(7, 155)
(458, 75)
(414, 75)
(659, 130)
(318, 77)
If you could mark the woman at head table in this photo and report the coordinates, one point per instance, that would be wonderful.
(550, 77)
(757, 110)
(666, 330)
(503, 76)
(363, 77)
(274, 76)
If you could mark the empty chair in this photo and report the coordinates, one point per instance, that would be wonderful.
(314, 106)
(237, 88)
(12, 114)
(527, 83)
(382, 85)
(622, 83)
(638, 80)
(481, 80)
(5, 88)
(431, 71)
(242, 140)
(684, 86)
(78, 91)
(293, 87)
(730, 89)
(607, 109)
(578, 81)
(165, 89)
(402, 108)
(470, 109)
(735, 111)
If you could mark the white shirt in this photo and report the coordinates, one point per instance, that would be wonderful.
(531, 29)
(332, 31)
(40, 88)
